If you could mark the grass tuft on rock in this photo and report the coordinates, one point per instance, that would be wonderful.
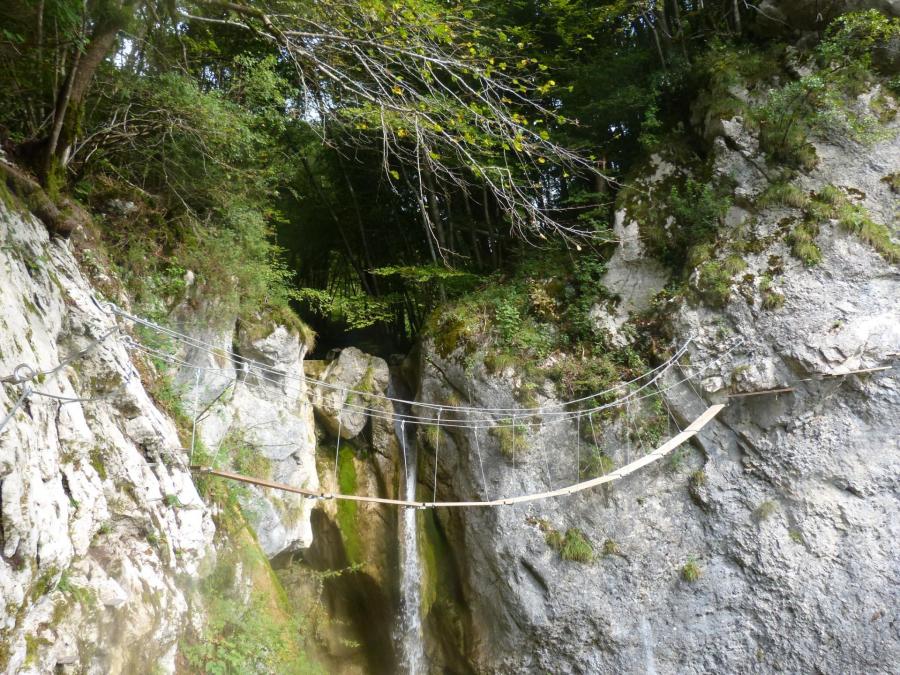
(803, 244)
(783, 194)
(573, 545)
(856, 220)
(691, 571)
(511, 437)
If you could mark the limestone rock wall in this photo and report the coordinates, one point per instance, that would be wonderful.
(99, 518)
(258, 413)
(787, 505)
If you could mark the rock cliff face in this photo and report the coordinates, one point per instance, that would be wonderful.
(257, 415)
(105, 542)
(99, 517)
(355, 544)
(770, 544)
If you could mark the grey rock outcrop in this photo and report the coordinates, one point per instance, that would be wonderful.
(99, 519)
(254, 405)
(787, 505)
(354, 381)
(339, 402)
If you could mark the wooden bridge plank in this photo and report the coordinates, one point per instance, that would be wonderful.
(692, 429)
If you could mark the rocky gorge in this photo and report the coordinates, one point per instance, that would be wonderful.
(766, 544)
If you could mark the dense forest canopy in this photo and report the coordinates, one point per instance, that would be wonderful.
(368, 159)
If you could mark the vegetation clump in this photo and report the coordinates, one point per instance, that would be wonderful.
(347, 509)
(783, 194)
(771, 299)
(691, 571)
(698, 478)
(595, 462)
(512, 437)
(241, 636)
(856, 220)
(892, 180)
(573, 545)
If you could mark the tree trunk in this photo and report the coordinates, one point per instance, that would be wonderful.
(682, 40)
(69, 102)
(40, 48)
(659, 50)
(601, 185)
(493, 239)
(367, 256)
(737, 18)
(363, 277)
(435, 211)
(473, 232)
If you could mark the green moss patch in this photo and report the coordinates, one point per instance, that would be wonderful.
(246, 637)
(512, 438)
(347, 509)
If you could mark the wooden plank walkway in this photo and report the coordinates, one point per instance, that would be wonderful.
(692, 430)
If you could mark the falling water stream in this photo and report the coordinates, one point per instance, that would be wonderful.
(408, 632)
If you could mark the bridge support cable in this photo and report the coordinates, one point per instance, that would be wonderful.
(692, 430)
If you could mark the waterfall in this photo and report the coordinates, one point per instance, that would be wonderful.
(408, 632)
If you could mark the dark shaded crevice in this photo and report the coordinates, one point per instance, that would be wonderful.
(535, 576)
(352, 597)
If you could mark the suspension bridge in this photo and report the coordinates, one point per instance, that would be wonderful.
(468, 420)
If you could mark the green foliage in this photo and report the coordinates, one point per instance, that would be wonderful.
(97, 462)
(543, 307)
(651, 425)
(579, 377)
(771, 299)
(831, 204)
(803, 243)
(573, 545)
(821, 102)
(677, 459)
(512, 437)
(170, 398)
(245, 457)
(782, 194)
(697, 479)
(610, 547)
(197, 168)
(583, 291)
(240, 636)
(346, 509)
(355, 309)
(699, 209)
(853, 39)
(714, 283)
(856, 220)
(893, 181)
(691, 571)
(250, 643)
(594, 462)
(45, 583)
(262, 322)
(172, 501)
